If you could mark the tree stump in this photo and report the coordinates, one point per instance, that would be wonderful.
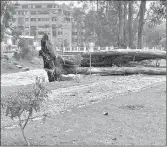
(54, 64)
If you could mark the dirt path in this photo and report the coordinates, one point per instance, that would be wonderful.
(136, 118)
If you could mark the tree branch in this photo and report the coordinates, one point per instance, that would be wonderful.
(26, 121)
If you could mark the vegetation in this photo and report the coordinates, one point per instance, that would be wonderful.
(119, 23)
(23, 105)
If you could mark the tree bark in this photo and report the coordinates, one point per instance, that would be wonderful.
(98, 23)
(54, 65)
(125, 20)
(141, 24)
(120, 23)
(130, 15)
(120, 57)
(131, 52)
(22, 131)
(123, 71)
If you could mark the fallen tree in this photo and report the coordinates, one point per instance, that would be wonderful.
(120, 57)
(151, 54)
(54, 64)
(123, 71)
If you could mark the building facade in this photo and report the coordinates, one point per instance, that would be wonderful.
(78, 31)
(37, 18)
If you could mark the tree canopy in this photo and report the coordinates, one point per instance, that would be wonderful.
(121, 23)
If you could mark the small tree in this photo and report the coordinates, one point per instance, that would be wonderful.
(25, 102)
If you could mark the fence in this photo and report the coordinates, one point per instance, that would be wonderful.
(96, 49)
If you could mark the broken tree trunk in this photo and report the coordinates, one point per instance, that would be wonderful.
(121, 57)
(123, 71)
(54, 64)
(150, 54)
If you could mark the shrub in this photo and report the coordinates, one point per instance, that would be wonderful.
(26, 102)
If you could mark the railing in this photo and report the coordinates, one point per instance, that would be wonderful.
(96, 49)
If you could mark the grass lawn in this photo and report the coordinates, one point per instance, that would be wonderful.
(134, 118)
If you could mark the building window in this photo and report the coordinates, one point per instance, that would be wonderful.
(43, 12)
(14, 19)
(59, 10)
(67, 19)
(33, 33)
(33, 19)
(20, 12)
(46, 26)
(33, 27)
(41, 33)
(32, 6)
(54, 33)
(60, 26)
(59, 39)
(54, 26)
(45, 19)
(83, 40)
(66, 13)
(55, 6)
(60, 33)
(55, 12)
(27, 19)
(33, 12)
(49, 6)
(38, 6)
(16, 6)
(24, 6)
(21, 27)
(30, 42)
(14, 13)
(41, 27)
(54, 18)
(20, 21)
(74, 33)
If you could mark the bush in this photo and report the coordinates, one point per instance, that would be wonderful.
(26, 102)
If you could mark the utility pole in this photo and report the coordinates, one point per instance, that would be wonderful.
(91, 46)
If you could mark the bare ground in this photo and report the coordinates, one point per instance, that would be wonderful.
(136, 116)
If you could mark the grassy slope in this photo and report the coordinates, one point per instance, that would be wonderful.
(143, 126)
(7, 66)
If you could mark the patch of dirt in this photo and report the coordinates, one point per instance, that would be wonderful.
(132, 107)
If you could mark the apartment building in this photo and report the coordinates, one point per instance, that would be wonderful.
(78, 31)
(37, 18)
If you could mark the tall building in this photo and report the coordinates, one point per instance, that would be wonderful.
(78, 31)
(37, 18)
